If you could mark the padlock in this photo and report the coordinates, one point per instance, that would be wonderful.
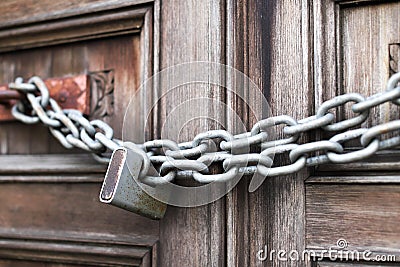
(121, 185)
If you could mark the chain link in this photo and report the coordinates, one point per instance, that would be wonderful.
(193, 159)
(69, 127)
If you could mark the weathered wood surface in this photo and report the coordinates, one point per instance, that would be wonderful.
(365, 64)
(50, 208)
(299, 53)
(357, 178)
(105, 20)
(107, 54)
(365, 215)
(67, 207)
(21, 12)
(259, 39)
(192, 31)
(51, 212)
(291, 86)
(261, 36)
(50, 164)
(355, 51)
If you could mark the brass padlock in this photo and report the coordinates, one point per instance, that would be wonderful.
(120, 187)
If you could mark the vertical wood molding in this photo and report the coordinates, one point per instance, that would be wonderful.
(291, 86)
(247, 42)
(273, 47)
(192, 31)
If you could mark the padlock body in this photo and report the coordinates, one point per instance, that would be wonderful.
(120, 187)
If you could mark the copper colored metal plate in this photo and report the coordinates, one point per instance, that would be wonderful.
(70, 93)
(5, 107)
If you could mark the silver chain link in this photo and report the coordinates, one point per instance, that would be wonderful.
(236, 152)
(68, 126)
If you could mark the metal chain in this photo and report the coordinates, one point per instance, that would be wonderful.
(69, 127)
(193, 159)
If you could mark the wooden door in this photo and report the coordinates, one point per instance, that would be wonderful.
(50, 212)
(356, 202)
(298, 52)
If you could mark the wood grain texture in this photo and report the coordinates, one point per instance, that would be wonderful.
(365, 215)
(359, 2)
(51, 211)
(68, 207)
(279, 49)
(394, 58)
(356, 178)
(382, 161)
(325, 40)
(23, 12)
(83, 27)
(237, 201)
(73, 253)
(12, 263)
(354, 201)
(63, 221)
(247, 38)
(274, 215)
(50, 164)
(290, 70)
(119, 54)
(345, 62)
(366, 63)
(192, 31)
(270, 41)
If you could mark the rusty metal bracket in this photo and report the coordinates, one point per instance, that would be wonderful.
(69, 92)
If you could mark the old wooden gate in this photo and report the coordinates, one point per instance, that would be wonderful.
(298, 52)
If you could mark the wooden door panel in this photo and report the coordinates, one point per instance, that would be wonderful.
(20, 12)
(50, 213)
(116, 54)
(356, 50)
(368, 35)
(365, 215)
(299, 52)
(67, 207)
